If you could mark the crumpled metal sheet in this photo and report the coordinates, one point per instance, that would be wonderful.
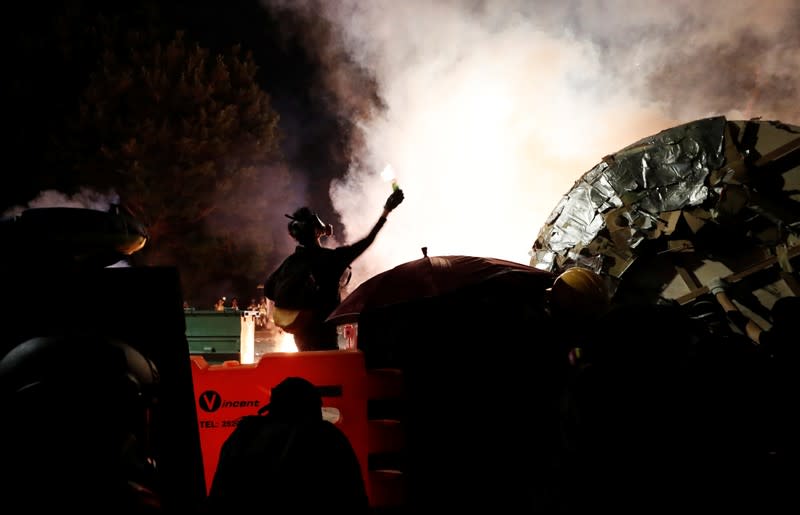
(664, 172)
(744, 174)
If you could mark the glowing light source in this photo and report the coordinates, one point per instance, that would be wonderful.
(286, 343)
(388, 175)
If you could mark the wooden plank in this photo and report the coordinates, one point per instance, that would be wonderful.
(689, 278)
(791, 282)
(786, 148)
(738, 276)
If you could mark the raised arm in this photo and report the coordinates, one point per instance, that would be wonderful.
(356, 249)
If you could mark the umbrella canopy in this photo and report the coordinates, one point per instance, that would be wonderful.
(70, 236)
(432, 276)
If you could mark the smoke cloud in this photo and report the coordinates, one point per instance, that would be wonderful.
(492, 109)
(85, 198)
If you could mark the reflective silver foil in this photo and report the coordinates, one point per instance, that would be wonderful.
(691, 174)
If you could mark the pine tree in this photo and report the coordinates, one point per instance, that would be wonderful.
(186, 139)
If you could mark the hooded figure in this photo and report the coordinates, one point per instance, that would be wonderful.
(288, 459)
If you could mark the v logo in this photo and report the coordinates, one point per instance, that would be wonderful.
(209, 401)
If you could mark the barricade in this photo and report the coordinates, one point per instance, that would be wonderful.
(226, 392)
(386, 442)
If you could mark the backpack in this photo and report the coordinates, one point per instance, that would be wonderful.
(294, 290)
(293, 285)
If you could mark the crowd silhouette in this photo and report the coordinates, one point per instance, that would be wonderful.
(632, 408)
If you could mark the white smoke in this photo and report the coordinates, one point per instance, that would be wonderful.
(85, 198)
(495, 108)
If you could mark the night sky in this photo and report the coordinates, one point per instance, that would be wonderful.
(48, 75)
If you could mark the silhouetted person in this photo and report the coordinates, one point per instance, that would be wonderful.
(306, 287)
(778, 347)
(287, 459)
(660, 418)
(76, 427)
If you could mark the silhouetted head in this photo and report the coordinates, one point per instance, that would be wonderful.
(306, 226)
(294, 399)
(94, 376)
(82, 408)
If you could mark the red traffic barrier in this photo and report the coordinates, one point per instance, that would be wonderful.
(226, 392)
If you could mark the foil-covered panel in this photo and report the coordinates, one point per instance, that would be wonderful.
(663, 192)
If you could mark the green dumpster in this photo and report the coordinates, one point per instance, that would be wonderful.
(215, 335)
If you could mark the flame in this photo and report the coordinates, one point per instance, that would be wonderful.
(388, 173)
(286, 343)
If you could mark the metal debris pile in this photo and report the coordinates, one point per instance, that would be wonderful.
(710, 198)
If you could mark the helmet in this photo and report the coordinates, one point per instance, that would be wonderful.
(102, 365)
(304, 223)
(78, 399)
(581, 292)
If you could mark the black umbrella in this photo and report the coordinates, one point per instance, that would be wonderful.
(432, 276)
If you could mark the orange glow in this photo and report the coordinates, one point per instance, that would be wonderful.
(286, 343)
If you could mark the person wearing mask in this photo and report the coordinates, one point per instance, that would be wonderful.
(306, 287)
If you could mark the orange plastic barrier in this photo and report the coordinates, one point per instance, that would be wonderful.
(226, 392)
